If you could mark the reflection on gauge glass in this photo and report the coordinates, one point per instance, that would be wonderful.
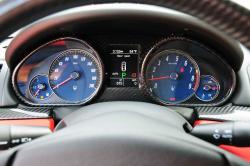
(39, 87)
(171, 76)
(75, 75)
(208, 89)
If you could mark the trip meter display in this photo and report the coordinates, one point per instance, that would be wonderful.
(123, 66)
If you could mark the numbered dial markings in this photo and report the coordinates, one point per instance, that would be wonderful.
(75, 75)
(172, 76)
(208, 89)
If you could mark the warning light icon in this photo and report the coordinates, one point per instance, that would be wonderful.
(124, 66)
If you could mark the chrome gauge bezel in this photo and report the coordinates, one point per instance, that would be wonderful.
(25, 100)
(151, 52)
(217, 93)
(29, 90)
(95, 58)
(147, 60)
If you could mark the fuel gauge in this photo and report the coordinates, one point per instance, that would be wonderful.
(208, 89)
(39, 87)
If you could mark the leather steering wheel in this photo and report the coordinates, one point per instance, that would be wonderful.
(234, 20)
(119, 134)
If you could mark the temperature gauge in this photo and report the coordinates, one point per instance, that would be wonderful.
(39, 87)
(208, 89)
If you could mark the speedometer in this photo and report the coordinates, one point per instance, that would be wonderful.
(76, 75)
(171, 76)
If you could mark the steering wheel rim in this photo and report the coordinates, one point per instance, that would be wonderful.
(236, 26)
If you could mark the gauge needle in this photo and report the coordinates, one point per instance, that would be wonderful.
(208, 87)
(73, 76)
(173, 76)
(63, 82)
(37, 92)
(158, 78)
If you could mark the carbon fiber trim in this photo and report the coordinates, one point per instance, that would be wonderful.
(124, 94)
(24, 113)
(225, 113)
(225, 15)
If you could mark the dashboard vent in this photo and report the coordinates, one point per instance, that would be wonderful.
(6, 42)
(1, 66)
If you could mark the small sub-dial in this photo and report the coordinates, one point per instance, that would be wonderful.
(208, 89)
(39, 87)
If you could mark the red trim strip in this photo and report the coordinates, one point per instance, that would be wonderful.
(59, 43)
(32, 122)
(200, 122)
(242, 152)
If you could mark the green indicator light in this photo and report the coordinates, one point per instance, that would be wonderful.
(124, 74)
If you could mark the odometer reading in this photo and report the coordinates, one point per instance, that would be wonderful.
(75, 75)
(172, 76)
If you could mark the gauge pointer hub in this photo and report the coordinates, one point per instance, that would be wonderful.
(75, 75)
(174, 76)
(41, 86)
(206, 87)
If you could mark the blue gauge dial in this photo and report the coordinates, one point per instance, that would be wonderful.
(75, 75)
(172, 76)
(39, 87)
(208, 89)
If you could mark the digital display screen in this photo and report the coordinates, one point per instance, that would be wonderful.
(123, 66)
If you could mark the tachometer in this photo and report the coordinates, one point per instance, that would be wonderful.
(171, 76)
(76, 75)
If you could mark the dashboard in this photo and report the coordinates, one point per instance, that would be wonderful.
(170, 70)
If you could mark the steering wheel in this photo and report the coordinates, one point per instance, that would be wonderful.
(117, 133)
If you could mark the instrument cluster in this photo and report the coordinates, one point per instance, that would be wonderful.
(64, 71)
(174, 71)
(182, 71)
